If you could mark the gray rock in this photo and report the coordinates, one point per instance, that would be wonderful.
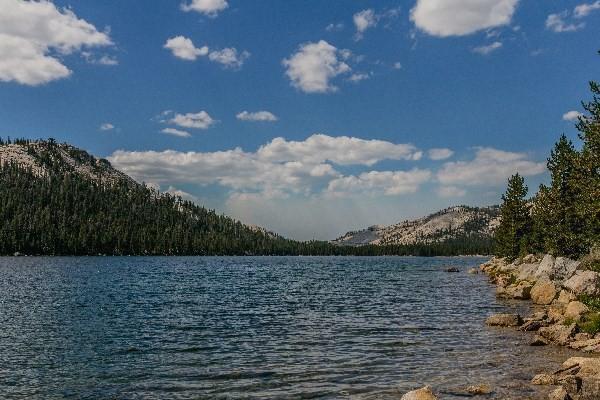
(584, 282)
(546, 267)
(504, 320)
(564, 268)
(526, 272)
(539, 341)
(558, 394)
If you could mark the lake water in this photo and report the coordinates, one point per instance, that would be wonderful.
(285, 327)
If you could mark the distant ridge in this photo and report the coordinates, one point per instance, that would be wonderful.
(452, 223)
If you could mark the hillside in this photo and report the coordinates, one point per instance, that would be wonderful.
(450, 224)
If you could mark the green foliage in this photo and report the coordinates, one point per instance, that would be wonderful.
(591, 324)
(514, 232)
(593, 302)
(565, 216)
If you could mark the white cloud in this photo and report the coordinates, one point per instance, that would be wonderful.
(176, 132)
(107, 126)
(440, 154)
(104, 59)
(461, 17)
(184, 195)
(184, 48)
(342, 150)
(487, 49)
(199, 120)
(278, 168)
(489, 167)
(585, 9)
(256, 116)
(571, 116)
(557, 23)
(359, 76)
(31, 36)
(335, 27)
(451, 191)
(397, 65)
(364, 20)
(313, 66)
(389, 183)
(210, 8)
(229, 57)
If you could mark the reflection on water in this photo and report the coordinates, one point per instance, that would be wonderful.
(307, 327)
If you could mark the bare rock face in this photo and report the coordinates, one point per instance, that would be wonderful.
(575, 310)
(580, 378)
(543, 292)
(559, 334)
(584, 282)
(546, 267)
(420, 394)
(504, 320)
(564, 268)
(527, 272)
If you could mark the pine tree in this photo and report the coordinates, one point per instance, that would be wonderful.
(513, 235)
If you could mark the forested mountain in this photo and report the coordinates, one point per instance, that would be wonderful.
(56, 199)
(453, 223)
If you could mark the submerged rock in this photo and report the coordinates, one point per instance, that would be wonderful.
(479, 389)
(539, 341)
(420, 394)
(504, 320)
(452, 269)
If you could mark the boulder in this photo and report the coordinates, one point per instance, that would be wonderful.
(575, 310)
(526, 272)
(584, 282)
(532, 325)
(587, 366)
(558, 394)
(543, 292)
(539, 341)
(519, 291)
(420, 394)
(530, 259)
(565, 297)
(559, 334)
(556, 313)
(479, 389)
(545, 268)
(543, 379)
(452, 269)
(564, 268)
(589, 345)
(504, 320)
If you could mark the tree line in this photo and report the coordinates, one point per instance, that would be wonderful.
(562, 218)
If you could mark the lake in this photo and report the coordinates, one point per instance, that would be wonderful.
(255, 327)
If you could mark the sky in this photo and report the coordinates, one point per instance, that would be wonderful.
(307, 117)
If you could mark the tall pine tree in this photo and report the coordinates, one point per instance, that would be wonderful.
(513, 235)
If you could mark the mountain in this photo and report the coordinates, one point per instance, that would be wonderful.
(453, 223)
(56, 199)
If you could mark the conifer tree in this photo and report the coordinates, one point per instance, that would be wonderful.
(513, 235)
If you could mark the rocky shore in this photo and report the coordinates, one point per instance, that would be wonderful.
(566, 312)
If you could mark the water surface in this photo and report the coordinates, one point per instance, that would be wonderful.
(285, 327)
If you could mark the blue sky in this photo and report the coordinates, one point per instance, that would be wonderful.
(309, 118)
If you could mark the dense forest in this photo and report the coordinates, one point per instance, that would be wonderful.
(67, 202)
(563, 218)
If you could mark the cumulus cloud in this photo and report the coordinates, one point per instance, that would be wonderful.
(256, 116)
(184, 48)
(103, 59)
(199, 120)
(487, 49)
(342, 150)
(461, 17)
(359, 76)
(389, 183)
(107, 126)
(571, 116)
(489, 167)
(313, 66)
(439, 154)
(32, 36)
(229, 57)
(279, 168)
(451, 191)
(176, 132)
(558, 23)
(397, 65)
(210, 8)
(585, 9)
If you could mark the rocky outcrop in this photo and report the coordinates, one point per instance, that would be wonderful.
(584, 282)
(424, 393)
